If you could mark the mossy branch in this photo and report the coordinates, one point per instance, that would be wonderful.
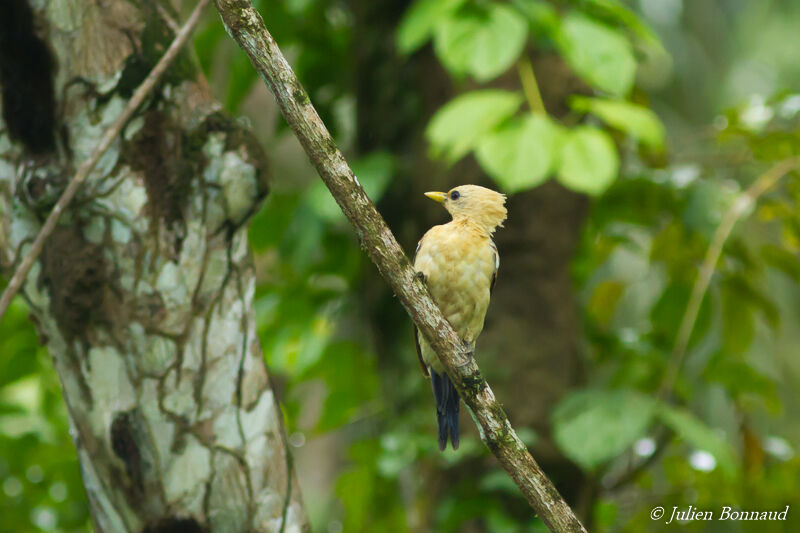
(247, 28)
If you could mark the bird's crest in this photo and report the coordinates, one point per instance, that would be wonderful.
(474, 204)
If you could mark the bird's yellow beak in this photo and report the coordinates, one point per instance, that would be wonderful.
(437, 196)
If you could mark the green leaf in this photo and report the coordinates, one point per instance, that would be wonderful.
(739, 378)
(589, 161)
(602, 305)
(241, 77)
(593, 426)
(298, 346)
(270, 224)
(637, 121)
(738, 322)
(620, 12)
(374, 171)
(708, 202)
(698, 435)
(599, 54)
(498, 480)
(18, 343)
(667, 314)
(298, 7)
(499, 521)
(420, 20)
(782, 260)
(205, 43)
(346, 396)
(522, 153)
(354, 488)
(542, 16)
(605, 514)
(458, 126)
(482, 43)
(748, 292)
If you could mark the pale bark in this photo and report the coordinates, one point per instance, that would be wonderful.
(144, 293)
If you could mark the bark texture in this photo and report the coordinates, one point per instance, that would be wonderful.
(247, 27)
(144, 293)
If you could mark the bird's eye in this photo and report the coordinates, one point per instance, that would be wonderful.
(454, 195)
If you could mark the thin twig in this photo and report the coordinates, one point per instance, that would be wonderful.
(247, 28)
(762, 184)
(83, 171)
(167, 18)
(530, 87)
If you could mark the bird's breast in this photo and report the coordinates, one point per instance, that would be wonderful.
(458, 267)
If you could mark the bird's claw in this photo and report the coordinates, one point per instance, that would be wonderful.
(470, 349)
(420, 276)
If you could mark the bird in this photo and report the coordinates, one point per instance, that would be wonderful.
(458, 261)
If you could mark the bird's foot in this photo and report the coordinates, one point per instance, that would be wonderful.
(421, 276)
(470, 349)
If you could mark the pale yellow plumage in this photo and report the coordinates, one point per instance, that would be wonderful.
(459, 262)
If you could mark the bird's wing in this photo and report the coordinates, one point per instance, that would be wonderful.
(496, 266)
(422, 364)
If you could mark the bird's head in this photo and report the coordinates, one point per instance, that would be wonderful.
(472, 203)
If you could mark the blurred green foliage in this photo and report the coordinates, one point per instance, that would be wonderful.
(483, 39)
(666, 136)
(40, 484)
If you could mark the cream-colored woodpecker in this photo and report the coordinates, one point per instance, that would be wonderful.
(459, 262)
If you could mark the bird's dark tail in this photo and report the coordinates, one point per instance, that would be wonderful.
(447, 404)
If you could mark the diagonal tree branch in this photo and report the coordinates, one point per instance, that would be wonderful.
(87, 166)
(247, 27)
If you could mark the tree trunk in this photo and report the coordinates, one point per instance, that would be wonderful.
(144, 293)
